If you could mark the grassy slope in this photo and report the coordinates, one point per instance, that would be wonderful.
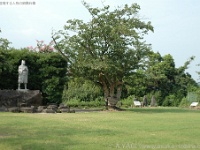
(146, 128)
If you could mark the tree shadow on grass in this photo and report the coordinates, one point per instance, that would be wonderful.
(163, 110)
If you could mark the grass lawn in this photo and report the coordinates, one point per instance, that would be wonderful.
(138, 128)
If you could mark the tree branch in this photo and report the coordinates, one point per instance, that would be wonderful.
(57, 47)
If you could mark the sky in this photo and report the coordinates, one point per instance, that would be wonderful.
(176, 24)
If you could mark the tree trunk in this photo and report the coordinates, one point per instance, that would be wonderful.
(119, 92)
(105, 88)
(112, 90)
(112, 99)
(109, 91)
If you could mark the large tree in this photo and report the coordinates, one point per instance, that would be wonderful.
(162, 76)
(108, 48)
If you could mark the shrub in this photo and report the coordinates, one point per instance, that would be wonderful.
(169, 101)
(53, 76)
(191, 97)
(184, 103)
(82, 89)
(78, 103)
(127, 101)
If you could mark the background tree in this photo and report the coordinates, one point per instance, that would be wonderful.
(184, 83)
(169, 81)
(4, 46)
(4, 63)
(136, 84)
(160, 75)
(161, 78)
(4, 43)
(108, 48)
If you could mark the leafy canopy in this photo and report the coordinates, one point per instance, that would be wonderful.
(110, 44)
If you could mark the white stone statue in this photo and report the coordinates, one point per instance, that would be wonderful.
(23, 75)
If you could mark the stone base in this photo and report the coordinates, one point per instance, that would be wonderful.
(27, 109)
(25, 97)
(3, 109)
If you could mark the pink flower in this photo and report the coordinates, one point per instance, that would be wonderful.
(30, 47)
(42, 48)
(51, 48)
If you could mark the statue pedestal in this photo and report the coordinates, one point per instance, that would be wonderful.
(15, 98)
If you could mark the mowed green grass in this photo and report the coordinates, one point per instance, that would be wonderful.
(138, 128)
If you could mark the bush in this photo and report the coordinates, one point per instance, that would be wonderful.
(158, 97)
(82, 89)
(184, 103)
(169, 101)
(191, 97)
(127, 101)
(79, 103)
(53, 76)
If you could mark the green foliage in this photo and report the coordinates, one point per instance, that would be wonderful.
(81, 89)
(156, 78)
(160, 77)
(82, 93)
(198, 94)
(4, 64)
(160, 74)
(4, 44)
(52, 72)
(93, 103)
(193, 97)
(184, 103)
(136, 83)
(157, 95)
(127, 102)
(170, 100)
